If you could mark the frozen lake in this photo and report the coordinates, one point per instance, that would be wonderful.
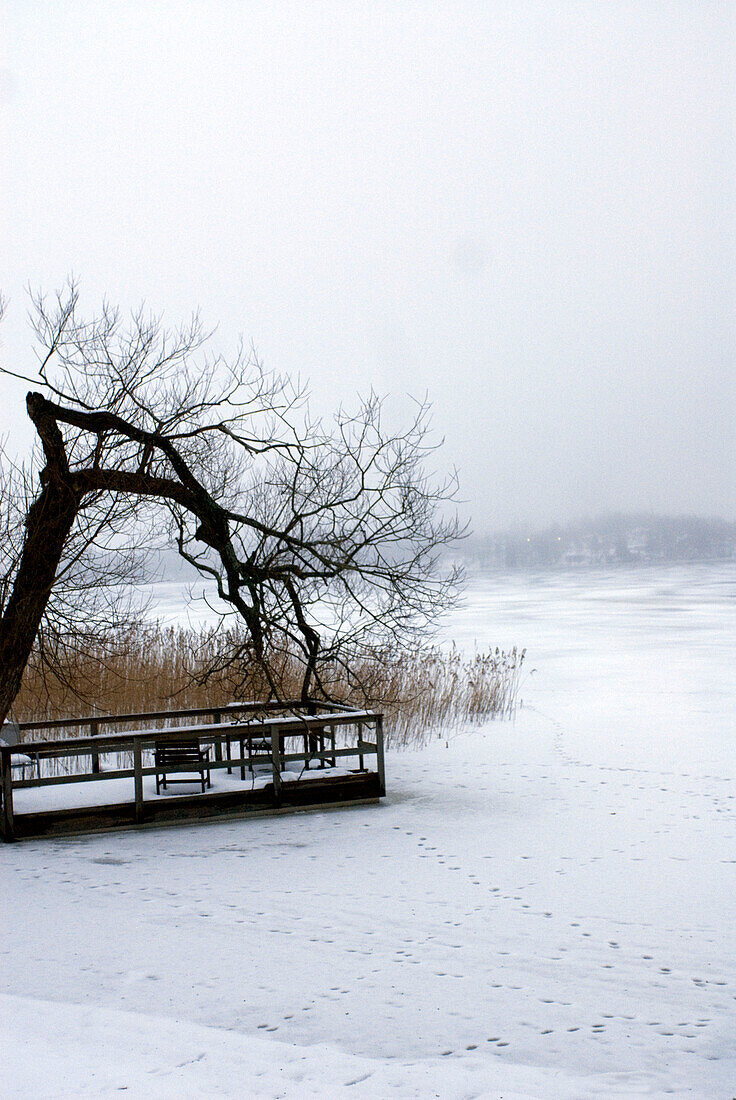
(641, 657)
(543, 908)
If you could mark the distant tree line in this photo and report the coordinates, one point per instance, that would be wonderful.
(608, 540)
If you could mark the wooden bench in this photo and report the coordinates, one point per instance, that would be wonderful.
(182, 756)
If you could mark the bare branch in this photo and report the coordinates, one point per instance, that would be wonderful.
(325, 541)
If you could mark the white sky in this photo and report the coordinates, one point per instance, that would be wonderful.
(524, 209)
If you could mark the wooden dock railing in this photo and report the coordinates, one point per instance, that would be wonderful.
(241, 735)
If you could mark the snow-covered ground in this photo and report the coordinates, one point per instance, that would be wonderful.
(544, 908)
(108, 792)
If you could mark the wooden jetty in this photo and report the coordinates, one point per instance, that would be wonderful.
(262, 757)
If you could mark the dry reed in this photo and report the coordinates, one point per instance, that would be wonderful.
(150, 667)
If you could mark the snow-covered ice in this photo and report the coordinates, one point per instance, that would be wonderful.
(544, 908)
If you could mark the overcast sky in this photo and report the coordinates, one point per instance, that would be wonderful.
(525, 210)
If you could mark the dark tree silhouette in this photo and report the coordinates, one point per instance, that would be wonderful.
(323, 539)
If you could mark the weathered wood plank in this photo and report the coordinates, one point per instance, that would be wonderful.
(94, 730)
(80, 777)
(276, 766)
(314, 793)
(380, 759)
(155, 715)
(6, 780)
(138, 768)
(329, 755)
(217, 719)
(121, 742)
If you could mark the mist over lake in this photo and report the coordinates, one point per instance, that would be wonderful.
(639, 657)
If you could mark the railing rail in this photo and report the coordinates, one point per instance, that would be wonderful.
(94, 721)
(186, 712)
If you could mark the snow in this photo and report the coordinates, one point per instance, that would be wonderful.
(544, 908)
(110, 792)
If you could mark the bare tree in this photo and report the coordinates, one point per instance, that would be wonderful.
(324, 540)
(97, 592)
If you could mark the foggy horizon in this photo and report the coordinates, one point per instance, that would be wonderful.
(525, 212)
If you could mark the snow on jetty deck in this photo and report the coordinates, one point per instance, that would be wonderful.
(255, 757)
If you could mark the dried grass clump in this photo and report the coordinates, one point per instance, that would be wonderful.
(150, 667)
(435, 690)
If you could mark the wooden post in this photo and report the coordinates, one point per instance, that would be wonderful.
(361, 758)
(7, 785)
(217, 717)
(138, 768)
(94, 729)
(276, 766)
(379, 756)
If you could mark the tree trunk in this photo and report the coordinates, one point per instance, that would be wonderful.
(50, 520)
